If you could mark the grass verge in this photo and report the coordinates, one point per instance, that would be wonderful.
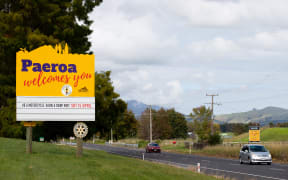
(276, 134)
(50, 161)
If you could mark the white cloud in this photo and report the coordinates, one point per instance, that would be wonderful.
(231, 13)
(171, 52)
(215, 47)
(119, 37)
(276, 41)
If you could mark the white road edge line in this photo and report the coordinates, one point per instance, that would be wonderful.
(267, 177)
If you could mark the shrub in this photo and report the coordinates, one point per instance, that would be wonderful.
(142, 143)
(214, 139)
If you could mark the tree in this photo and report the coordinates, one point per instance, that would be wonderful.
(161, 127)
(144, 124)
(30, 24)
(166, 124)
(126, 125)
(202, 123)
(178, 124)
(202, 126)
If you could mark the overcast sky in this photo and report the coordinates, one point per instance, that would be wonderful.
(171, 53)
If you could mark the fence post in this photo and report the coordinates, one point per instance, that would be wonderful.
(198, 167)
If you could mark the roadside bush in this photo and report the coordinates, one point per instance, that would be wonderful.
(142, 144)
(214, 139)
(158, 141)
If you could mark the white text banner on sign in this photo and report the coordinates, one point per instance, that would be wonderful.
(38, 108)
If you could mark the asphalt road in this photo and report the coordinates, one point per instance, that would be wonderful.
(227, 168)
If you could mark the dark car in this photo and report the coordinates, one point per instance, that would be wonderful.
(153, 147)
(254, 153)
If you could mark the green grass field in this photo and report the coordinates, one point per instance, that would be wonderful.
(50, 161)
(266, 135)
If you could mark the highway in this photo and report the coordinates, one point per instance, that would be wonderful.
(227, 168)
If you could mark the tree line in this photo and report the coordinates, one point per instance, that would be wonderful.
(166, 124)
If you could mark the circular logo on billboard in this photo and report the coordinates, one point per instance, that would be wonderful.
(80, 130)
(66, 90)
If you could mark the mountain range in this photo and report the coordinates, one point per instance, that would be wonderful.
(138, 107)
(262, 116)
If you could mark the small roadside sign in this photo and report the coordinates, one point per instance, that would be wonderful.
(254, 134)
(72, 138)
(28, 124)
(41, 139)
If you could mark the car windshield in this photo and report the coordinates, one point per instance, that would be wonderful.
(257, 149)
(154, 145)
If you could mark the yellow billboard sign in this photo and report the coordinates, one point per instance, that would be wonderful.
(48, 71)
(254, 134)
(54, 85)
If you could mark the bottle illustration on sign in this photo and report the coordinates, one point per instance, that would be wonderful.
(66, 90)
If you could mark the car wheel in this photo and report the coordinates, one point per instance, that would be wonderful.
(240, 160)
(249, 161)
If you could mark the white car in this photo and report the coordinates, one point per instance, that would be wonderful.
(254, 153)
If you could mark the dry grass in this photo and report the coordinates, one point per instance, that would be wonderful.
(279, 152)
(222, 151)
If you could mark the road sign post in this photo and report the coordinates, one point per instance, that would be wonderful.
(29, 129)
(80, 131)
(29, 139)
(79, 150)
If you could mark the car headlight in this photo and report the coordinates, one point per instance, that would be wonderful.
(269, 155)
(254, 156)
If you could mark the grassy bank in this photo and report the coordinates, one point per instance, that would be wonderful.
(50, 161)
(276, 134)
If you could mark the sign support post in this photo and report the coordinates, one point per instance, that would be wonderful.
(79, 151)
(80, 131)
(29, 139)
(29, 126)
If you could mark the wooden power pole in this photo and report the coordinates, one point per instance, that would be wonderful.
(150, 124)
(212, 110)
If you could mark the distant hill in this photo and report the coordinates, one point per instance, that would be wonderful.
(138, 107)
(262, 116)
